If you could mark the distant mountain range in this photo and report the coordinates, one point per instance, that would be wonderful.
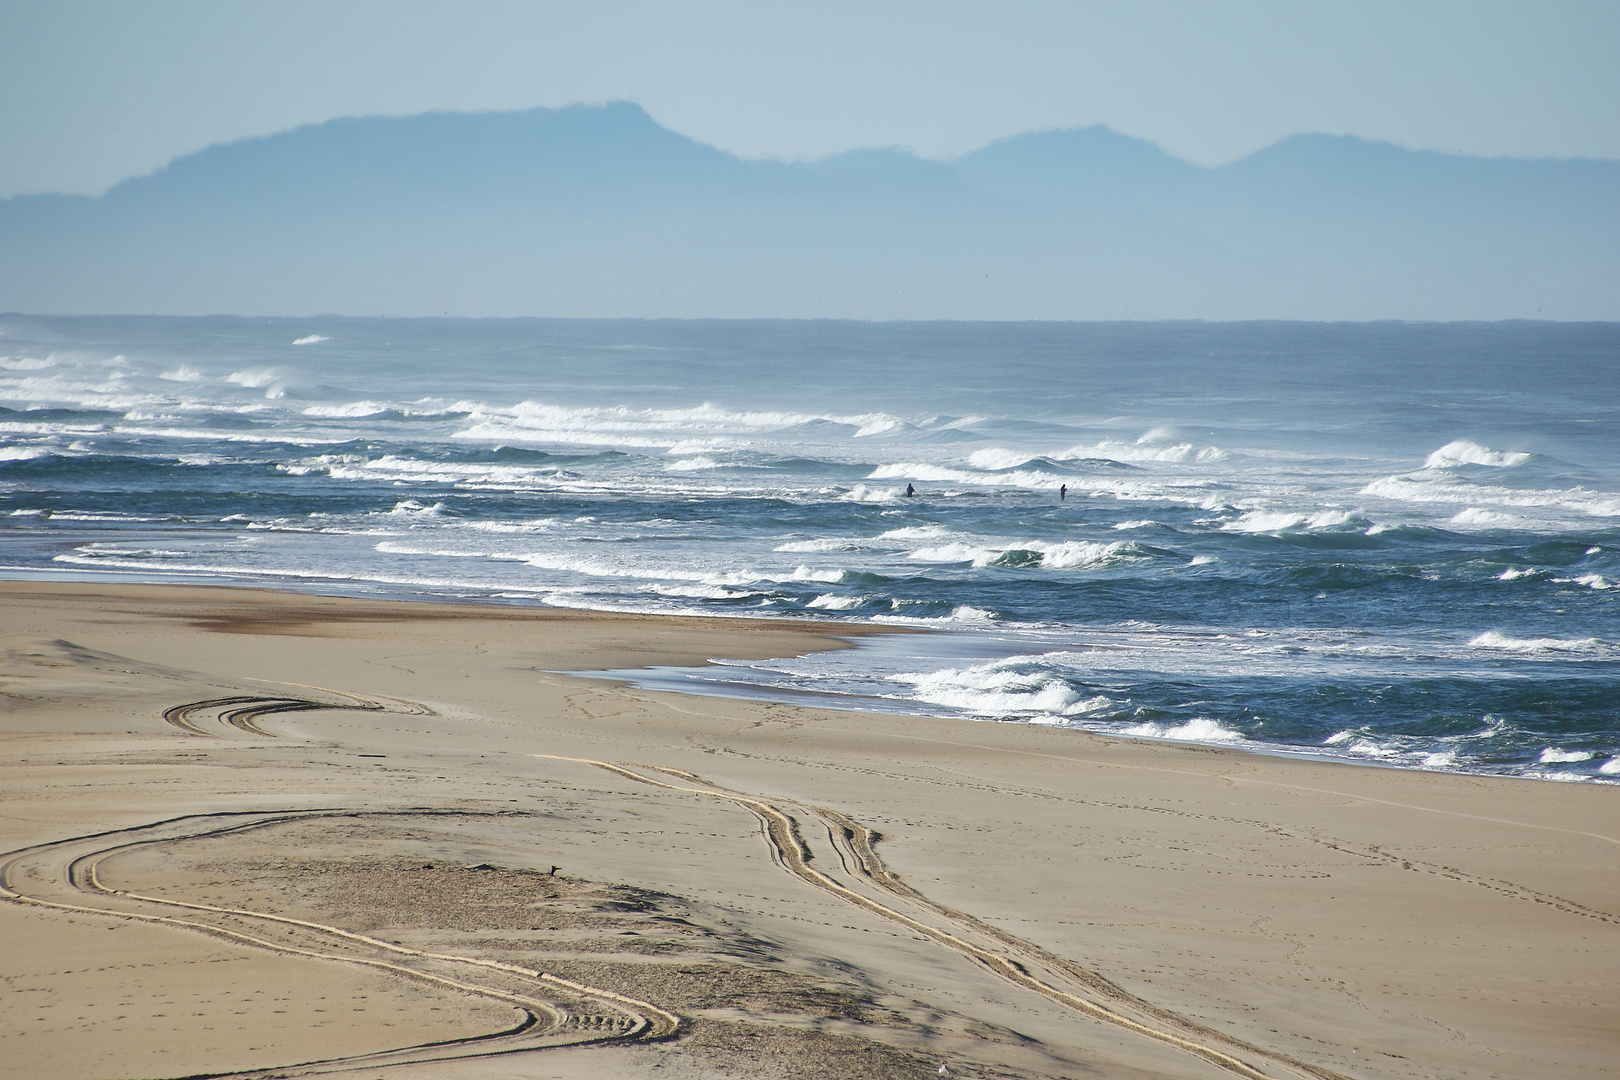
(599, 211)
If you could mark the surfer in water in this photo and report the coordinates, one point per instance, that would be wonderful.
(1063, 492)
(910, 491)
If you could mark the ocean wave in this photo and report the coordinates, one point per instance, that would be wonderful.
(394, 467)
(999, 689)
(1440, 486)
(1199, 729)
(412, 508)
(311, 339)
(1552, 755)
(253, 378)
(834, 602)
(862, 494)
(941, 474)
(816, 546)
(914, 532)
(622, 425)
(962, 613)
(1179, 454)
(351, 410)
(1475, 517)
(1277, 521)
(1591, 581)
(1462, 452)
(994, 458)
(1067, 555)
(1493, 639)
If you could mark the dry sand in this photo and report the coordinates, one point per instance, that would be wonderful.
(256, 831)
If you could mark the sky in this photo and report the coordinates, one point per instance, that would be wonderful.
(95, 92)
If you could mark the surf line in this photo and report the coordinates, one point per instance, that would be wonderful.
(790, 851)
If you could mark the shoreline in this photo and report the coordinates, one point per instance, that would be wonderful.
(846, 893)
(848, 635)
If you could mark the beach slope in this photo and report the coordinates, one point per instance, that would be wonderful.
(248, 831)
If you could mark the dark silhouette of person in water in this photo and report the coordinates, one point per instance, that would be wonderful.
(910, 491)
(1063, 492)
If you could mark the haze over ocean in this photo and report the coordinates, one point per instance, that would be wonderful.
(1388, 543)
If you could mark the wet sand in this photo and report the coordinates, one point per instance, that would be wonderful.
(248, 830)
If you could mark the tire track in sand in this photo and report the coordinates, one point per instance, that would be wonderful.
(544, 1023)
(242, 711)
(789, 850)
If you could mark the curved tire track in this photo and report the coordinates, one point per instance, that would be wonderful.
(243, 712)
(543, 1023)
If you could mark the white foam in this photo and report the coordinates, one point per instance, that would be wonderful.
(961, 614)
(253, 379)
(834, 602)
(807, 573)
(1463, 452)
(1276, 521)
(352, 410)
(311, 339)
(1554, 756)
(1179, 454)
(1492, 639)
(1511, 574)
(915, 532)
(531, 421)
(185, 373)
(22, 453)
(863, 494)
(1141, 523)
(1070, 554)
(810, 546)
(1489, 519)
(1438, 486)
(996, 458)
(998, 689)
(1372, 749)
(1198, 729)
(1591, 581)
(412, 508)
(692, 465)
(881, 425)
(1610, 767)
(394, 547)
(26, 363)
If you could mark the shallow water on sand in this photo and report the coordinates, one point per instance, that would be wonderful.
(1383, 542)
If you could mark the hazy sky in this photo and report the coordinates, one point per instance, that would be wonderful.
(91, 93)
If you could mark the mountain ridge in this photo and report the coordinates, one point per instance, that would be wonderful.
(599, 210)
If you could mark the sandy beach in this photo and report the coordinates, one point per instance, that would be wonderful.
(258, 833)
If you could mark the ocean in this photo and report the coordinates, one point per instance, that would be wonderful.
(1388, 543)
